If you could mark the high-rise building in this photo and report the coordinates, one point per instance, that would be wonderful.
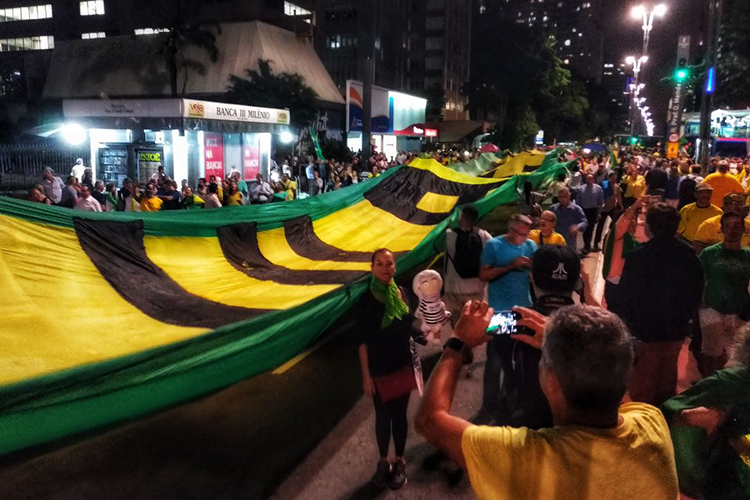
(421, 46)
(616, 82)
(574, 23)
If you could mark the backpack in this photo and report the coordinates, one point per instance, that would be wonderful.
(686, 192)
(468, 254)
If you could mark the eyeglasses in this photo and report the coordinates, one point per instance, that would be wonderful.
(519, 233)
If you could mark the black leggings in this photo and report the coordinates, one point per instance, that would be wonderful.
(391, 417)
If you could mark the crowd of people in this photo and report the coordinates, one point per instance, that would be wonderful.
(584, 390)
(293, 178)
(585, 386)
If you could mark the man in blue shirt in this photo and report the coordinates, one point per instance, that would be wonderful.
(590, 197)
(506, 261)
(570, 218)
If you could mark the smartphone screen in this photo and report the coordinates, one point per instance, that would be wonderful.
(503, 323)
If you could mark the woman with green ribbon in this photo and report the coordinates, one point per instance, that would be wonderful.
(390, 367)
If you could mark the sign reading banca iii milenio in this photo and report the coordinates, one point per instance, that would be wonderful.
(234, 112)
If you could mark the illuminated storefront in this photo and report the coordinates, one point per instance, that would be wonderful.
(397, 120)
(189, 138)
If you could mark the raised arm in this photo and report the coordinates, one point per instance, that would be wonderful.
(434, 420)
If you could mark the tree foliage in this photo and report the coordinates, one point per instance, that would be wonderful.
(435, 95)
(262, 87)
(520, 85)
(185, 26)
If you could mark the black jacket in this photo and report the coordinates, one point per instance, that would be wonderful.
(661, 288)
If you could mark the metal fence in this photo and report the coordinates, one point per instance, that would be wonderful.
(21, 165)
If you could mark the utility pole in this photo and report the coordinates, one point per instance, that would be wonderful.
(368, 61)
(707, 101)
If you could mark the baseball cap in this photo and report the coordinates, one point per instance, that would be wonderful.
(555, 268)
(703, 187)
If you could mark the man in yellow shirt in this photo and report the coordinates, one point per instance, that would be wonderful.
(693, 214)
(150, 202)
(723, 183)
(597, 449)
(546, 234)
(709, 232)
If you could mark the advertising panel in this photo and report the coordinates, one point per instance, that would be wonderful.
(250, 156)
(234, 112)
(381, 109)
(214, 154)
(408, 114)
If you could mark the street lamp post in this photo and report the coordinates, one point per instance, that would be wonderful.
(635, 88)
(646, 14)
(643, 12)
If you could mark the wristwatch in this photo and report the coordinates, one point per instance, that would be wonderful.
(456, 344)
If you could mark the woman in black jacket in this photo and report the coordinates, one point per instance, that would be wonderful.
(390, 368)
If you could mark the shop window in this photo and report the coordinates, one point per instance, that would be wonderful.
(92, 8)
(90, 36)
(26, 13)
(27, 43)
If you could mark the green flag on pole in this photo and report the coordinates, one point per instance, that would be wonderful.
(318, 150)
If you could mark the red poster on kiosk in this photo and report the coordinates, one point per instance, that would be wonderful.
(250, 158)
(214, 153)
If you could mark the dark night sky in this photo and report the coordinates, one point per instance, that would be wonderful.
(623, 36)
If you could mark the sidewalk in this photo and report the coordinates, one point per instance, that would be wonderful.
(341, 467)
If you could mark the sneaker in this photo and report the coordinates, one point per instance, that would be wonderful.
(382, 474)
(398, 476)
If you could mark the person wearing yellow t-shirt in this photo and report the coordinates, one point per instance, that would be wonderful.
(290, 188)
(546, 234)
(709, 232)
(150, 202)
(636, 187)
(723, 183)
(597, 448)
(234, 195)
(694, 214)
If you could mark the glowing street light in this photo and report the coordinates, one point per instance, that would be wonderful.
(647, 15)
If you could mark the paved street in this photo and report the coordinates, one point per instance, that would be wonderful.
(302, 432)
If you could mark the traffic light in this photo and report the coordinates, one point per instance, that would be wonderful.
(633, 140)
(682, 72)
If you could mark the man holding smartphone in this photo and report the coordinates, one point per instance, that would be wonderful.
(506, 261)
(597, 448)
(555, 274)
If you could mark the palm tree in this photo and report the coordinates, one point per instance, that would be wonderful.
(183, 32)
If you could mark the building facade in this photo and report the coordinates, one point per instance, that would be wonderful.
(576, 25)
(29, 29)
(420, 46)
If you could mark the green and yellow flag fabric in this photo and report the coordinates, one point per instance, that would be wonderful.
(111, 316)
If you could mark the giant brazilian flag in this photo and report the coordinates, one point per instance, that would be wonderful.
(110, 316)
